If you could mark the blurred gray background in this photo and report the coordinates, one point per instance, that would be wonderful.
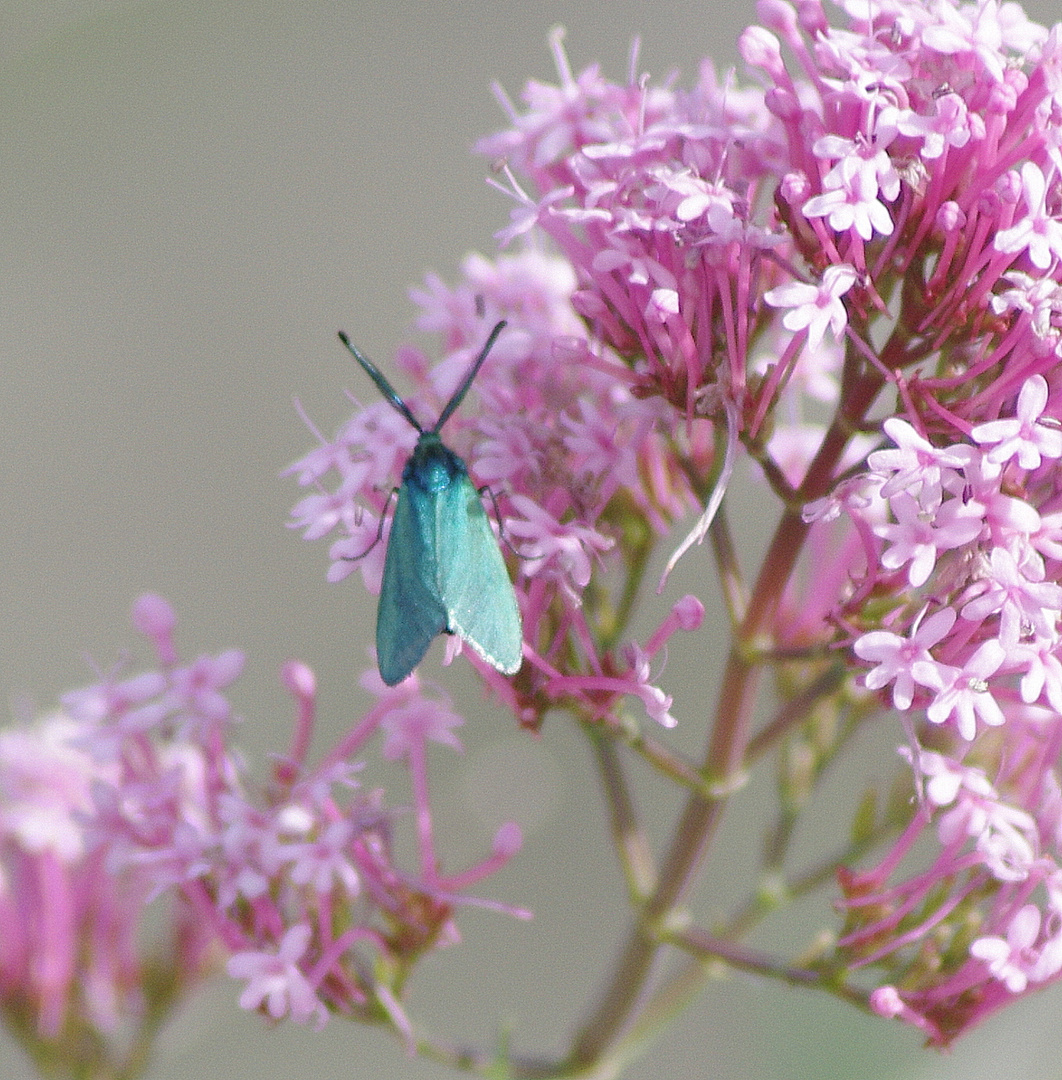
(194, 198)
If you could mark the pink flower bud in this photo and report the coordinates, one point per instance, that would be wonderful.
(760, 48)
(299, 679)
(950, 217)
(153, 617)
(508, 840)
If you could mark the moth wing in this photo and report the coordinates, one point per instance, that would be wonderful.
(410, 612)
(474, 584)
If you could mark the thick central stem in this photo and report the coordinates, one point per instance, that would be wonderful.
(725, 754)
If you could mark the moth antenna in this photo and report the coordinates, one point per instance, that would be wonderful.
(460, 392)
(382, 384)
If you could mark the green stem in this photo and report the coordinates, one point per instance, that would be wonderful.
(699, 943)
(629, 839)
(795, 710)
(705, 946)
(731, 580)
(498, 1065)
(656, 1013)
(668, 762)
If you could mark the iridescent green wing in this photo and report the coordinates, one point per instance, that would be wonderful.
(474, 584)
(410, 612)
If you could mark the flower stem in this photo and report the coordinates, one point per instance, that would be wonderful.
(728, 743)
(629, 838)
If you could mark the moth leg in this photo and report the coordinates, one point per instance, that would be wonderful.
(486, 489)
(379, 531)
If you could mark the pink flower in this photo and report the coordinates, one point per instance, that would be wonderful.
(919, 535)
(896, 656)
(563, 550)
(302, 867)
(71, 955)
(45, 787)
(815, 308)
(1015, 593)
(132, 702)
(657, 703)
(410, 725)
(950, 125)
(1024, 436)
(852, 187)
(1040, 233)
(1043, 671)
(195, 693)
(326, 860)
(920, 163)
(917, 466)
(275, 981)
(1009, 959)
(980, 32)
(964, 693)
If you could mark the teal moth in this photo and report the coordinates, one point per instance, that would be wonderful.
(444, 571)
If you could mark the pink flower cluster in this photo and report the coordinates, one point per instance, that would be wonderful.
(136, 789)
(82, 981)
(850, 275)
(878, 228)
(571, 453)
(966, 535)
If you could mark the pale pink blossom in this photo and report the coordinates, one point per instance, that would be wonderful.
(895, 656)
(964, 693)
(547, 545)
(1009, 959)
(1018, 594)
(852, 188)
(918, 536)
(950, 125)
(1040, 233)
(815, 308)
(275, 981)
(410, 724)
(1024, 436)
(916, 465)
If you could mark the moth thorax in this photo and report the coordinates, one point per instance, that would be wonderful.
(431, 466)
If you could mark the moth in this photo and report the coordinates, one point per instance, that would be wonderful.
(444, 571)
